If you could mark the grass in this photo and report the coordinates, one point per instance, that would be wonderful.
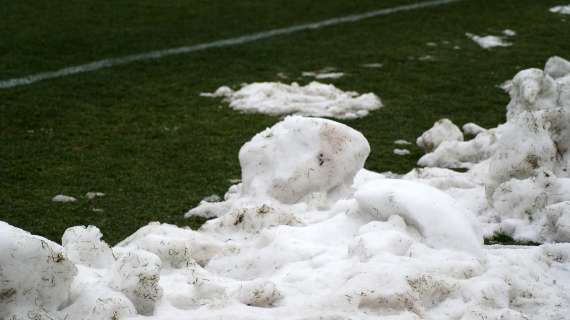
(142, 134)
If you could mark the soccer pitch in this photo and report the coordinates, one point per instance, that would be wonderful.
(141, 133)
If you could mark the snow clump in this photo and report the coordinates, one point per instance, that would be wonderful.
(314, 99)
(564, 9)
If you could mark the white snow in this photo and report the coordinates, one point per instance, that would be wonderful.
(402, 142)
(509, 32)
(310, 234)
(401, 152)
(489, 41)
(518, 172)
(563, 9)
(442, 130)
(313, 99)
(63, 198)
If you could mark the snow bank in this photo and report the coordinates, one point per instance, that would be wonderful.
(521, 166)
(310, 234)
(314, 99)
(489, 41)
(561, 9)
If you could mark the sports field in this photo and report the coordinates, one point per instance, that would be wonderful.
(141, 133)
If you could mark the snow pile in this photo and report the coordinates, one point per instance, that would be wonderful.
(519, 179)
(561, 9)
(490, 41)
(314, 99)
(308, 234)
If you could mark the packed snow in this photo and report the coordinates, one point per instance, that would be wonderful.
(563, 9)
(314, 99)
(491, 41)
(309, 233)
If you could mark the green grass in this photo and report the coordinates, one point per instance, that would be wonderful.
(142, 134)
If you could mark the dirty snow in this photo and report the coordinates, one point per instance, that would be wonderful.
(518, 180)
(63, 198)
(313, 99)
(563, 9)
(310, 234)
(489, 41)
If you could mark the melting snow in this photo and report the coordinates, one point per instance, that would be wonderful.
(314, 99)
(401, 152)
(310, 234)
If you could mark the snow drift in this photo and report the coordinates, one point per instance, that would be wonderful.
(314, 99)
(310, 234)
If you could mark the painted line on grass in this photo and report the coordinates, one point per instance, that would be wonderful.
(111, 62)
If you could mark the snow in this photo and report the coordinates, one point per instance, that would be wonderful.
(313, 99)
(442, 130)
(92, 195)
(489, 41)
(473, 128)
(401, 152)
(323, 75)
(563, 9)
(309, 233)
(402, 142)
(373, 65)
(63, 198)
(518, 172)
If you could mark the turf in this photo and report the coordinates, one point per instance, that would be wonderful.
(141, 133)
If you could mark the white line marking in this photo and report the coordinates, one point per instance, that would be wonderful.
(107, 63)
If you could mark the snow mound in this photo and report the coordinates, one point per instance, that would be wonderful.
(314, 99)
(489, 41)
(308, 234)
(521, 167)
(561, 9)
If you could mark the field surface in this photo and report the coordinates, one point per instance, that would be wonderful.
(142, 134)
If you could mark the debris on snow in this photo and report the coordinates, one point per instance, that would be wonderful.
(401, 152)
(63, 198)
(314, 99)
(564, 9)
(488, 42)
